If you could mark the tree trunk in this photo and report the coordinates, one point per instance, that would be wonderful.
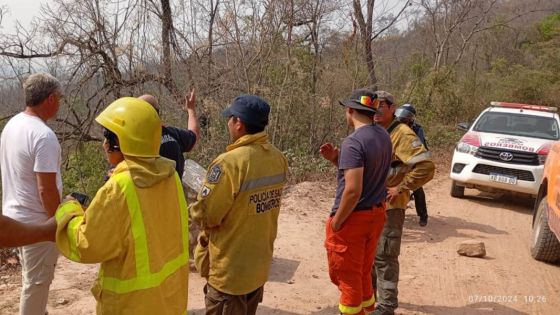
(166, 29)
(366, 31)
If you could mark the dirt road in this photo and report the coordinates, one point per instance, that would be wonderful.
(434, 279)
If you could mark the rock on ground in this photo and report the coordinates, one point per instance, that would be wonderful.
(471, 248)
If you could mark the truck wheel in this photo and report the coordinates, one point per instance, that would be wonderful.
(545, 245)
(457, 191)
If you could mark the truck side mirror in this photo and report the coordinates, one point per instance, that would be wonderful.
(463, 126)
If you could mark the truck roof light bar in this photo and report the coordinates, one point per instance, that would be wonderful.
(525, 106)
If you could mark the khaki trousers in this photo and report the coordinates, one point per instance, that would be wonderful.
(385, 273)
(38, 262)
(219, 303)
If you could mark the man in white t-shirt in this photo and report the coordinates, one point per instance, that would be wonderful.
(31, 184)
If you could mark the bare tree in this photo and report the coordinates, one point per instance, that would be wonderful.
(367, 34)
(453, 25)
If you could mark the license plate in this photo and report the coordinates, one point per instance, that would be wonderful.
(511, 180)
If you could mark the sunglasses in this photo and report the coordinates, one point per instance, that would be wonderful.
(368, 101)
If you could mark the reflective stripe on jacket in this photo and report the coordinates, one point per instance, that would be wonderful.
(238, 208)
(140, 237)
(411, 165)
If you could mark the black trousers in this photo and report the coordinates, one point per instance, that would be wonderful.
(420, 202)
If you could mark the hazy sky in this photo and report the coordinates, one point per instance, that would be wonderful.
(21, 10)
(24, 11)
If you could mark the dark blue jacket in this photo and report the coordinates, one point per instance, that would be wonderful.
(420, 133)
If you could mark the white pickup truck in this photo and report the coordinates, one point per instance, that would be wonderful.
(505, 149)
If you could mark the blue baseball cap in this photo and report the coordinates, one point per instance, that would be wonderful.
(251, 109)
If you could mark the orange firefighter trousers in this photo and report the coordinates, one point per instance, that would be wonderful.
(350, 253)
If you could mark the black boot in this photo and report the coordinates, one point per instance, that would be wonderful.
(380, 310)
(423, 221)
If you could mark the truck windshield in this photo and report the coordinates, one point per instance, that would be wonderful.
(518, 125)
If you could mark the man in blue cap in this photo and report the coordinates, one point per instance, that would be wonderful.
(237, 210)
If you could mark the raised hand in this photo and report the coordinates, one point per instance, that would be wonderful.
(329, 152)
(190, 101)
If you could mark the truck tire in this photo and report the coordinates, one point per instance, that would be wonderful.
(457, 191)
(545, 245)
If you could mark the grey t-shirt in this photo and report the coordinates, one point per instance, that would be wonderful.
(368, 147)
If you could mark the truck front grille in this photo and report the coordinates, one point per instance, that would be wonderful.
(519, 157)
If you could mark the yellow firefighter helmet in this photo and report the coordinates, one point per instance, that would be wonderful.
(136, 124)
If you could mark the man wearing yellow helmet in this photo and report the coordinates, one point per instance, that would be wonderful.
(136, 226)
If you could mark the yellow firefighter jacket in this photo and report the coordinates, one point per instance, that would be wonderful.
(411, 164)
(136, 227)
(238, 209)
